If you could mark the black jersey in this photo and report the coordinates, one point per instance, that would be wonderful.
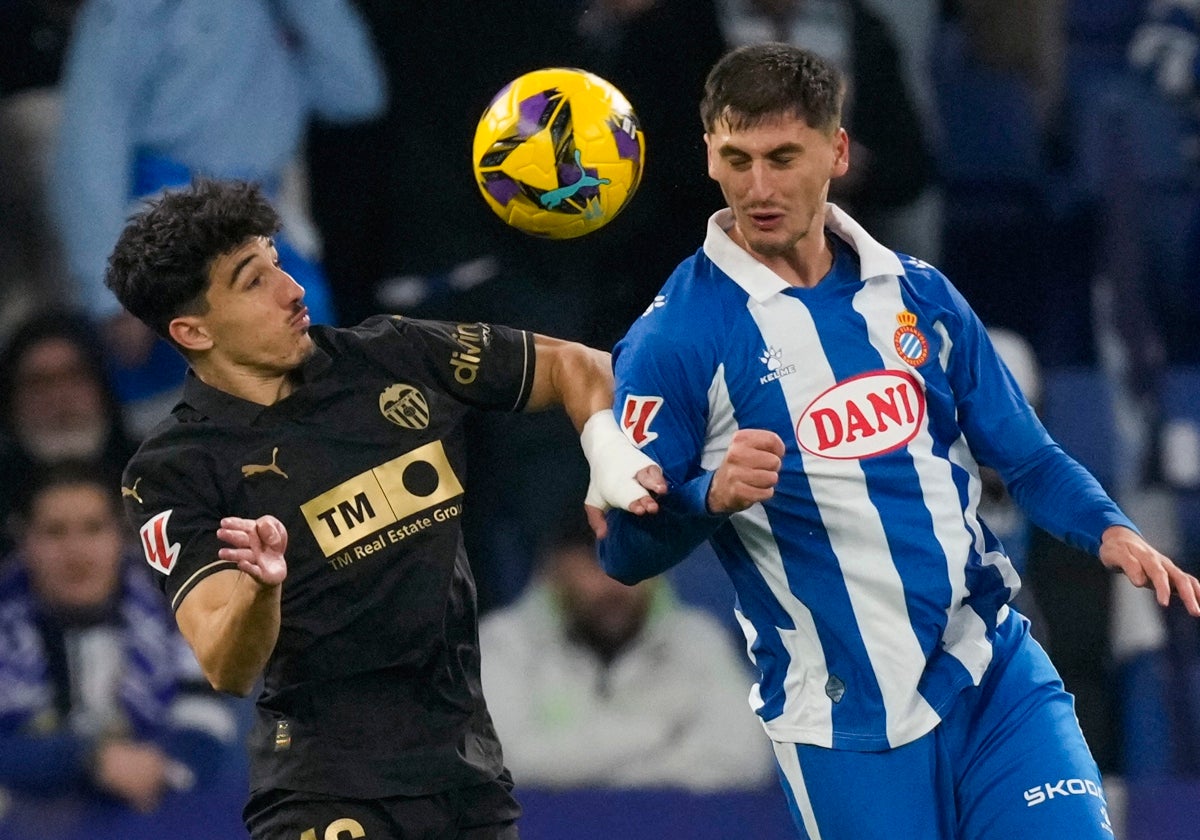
(373, 687)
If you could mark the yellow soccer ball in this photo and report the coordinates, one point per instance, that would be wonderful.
(558, 153)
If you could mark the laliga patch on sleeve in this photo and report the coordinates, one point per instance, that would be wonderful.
(161, 553)
(637, 416)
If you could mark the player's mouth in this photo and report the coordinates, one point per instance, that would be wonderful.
(300, 320)
(765, 220)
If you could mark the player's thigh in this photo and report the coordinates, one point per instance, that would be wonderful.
(904, 793)
(481, 812)
(286, 815)
(1024, 769)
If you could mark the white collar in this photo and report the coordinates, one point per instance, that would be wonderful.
(761, 282)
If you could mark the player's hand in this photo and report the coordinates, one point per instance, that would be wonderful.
(1125, 551)
(134, 772)
(749, 472)
(650, 478)
(622, 476)
(258, 547)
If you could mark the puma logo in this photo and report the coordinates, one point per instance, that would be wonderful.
(254, 469)
(132, 492)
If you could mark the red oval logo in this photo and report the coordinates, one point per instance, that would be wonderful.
(865, 416)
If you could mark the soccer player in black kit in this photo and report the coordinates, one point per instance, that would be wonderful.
(302, 508)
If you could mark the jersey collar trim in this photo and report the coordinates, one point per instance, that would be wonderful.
(219, 405)
(761, 283)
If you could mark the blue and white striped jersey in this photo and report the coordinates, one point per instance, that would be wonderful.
(868, 588)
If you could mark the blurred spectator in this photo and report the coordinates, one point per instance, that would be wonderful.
(101, 702)
(592, 683)
(1165, 49)
(55, 402)
(890, 147)
(1025, 37)
(156, 93)
(35, 34)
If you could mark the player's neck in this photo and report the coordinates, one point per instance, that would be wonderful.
(256, 386)
(804, 265)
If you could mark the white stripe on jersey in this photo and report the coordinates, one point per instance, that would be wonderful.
(802, 644)
(854, 528)
(805, 701)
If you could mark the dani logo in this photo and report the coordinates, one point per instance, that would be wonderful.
(161, 553)
(864, 416)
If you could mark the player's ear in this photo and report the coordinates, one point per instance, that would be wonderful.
(841, 153)
(709, 155)
(190, 332)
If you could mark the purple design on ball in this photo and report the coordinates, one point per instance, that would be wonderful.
(627, 147)
(530, 112)
(503, 190)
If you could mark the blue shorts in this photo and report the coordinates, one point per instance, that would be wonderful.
(1007, 761)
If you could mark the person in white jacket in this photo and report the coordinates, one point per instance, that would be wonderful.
(592, 683)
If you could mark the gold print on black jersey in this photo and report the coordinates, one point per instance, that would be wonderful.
(381, 496)
(405, 406)
(471, 338)
(132, 492)
(257, 469)
(342, 829)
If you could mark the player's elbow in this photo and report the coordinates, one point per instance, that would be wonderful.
(623, 571)
(231, 681)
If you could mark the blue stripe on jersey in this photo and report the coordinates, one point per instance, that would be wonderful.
(890, 480)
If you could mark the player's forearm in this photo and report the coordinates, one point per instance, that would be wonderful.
(232, 623)
(577, 377)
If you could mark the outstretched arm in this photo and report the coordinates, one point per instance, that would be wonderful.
(580, 379)
(231, 618)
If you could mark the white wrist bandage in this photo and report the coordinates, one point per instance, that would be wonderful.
(614, 462)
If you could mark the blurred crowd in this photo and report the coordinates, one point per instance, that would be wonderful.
(1045, 154)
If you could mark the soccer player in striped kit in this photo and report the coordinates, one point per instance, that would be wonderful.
(820, 406)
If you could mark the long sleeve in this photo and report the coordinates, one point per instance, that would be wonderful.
(1004, 432)
(640, 547)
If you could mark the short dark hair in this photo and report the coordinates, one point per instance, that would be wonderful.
(159, 267)
(756, 82)
(46, 477)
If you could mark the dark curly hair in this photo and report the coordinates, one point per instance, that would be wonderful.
(754, 83)
(159, 267)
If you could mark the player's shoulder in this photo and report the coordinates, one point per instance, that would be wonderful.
(686, 309)
(177, 453)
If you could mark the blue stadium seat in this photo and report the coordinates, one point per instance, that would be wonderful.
(1181, 405)
(989, 121)
(1078, 412)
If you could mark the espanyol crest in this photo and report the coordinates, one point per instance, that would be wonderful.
(909, 341)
